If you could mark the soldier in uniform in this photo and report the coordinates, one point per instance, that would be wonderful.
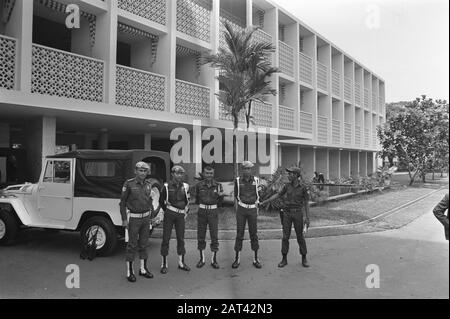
(136, 197)
(296, 212)
(246, 192)
(174, 200)
(208, 193)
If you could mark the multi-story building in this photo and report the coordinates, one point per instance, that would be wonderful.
(131, 73)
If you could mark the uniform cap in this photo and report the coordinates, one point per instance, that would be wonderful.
(142, 165)
(294, 170)
(247, 164)
(178, 169)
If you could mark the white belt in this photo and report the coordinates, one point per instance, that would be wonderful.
(177, 210)
(247, 205)
(203, 206)
(139, 215)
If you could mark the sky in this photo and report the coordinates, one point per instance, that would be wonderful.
(405, 42)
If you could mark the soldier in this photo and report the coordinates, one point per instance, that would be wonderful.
(246, 192)
(208, 193)
(297, 204)
(175, 202)
(136, 196)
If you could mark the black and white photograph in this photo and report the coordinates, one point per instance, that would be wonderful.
(224, 155)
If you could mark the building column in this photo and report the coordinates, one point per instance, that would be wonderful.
(89, 141)
(334, 164)
(363, 164)
(370, 163)
(354, 163)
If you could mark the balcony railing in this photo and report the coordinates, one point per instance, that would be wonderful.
(194, 18)
(347, 133)
(374, 102)
(366, 137)
(322, 129)
(262, 113)
(286, 58)
(348, 88)
(336, 83)
(366, 99)
(306, 68)
(138, 88)
(154, 10)
(306, 124)
(192, 99)
(380, 105)
(59, 73)
(358, 97)
(8, 51)
(322, 77)
(374, 139)
(261, 36)
(336, 131)
(286, 118)
(358, 135)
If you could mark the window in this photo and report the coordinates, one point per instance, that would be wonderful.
(57, 172)
(100, 169)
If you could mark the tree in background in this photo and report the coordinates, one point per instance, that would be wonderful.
(417, 134)
(243, 66)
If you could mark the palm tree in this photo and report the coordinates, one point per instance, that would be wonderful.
(243, 66)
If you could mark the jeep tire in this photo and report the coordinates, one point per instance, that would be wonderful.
(9, 227)
(106, 229)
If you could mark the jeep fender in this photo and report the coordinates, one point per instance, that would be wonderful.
(19, 209)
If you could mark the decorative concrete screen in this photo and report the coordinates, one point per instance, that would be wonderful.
(336, 132)
(194, 18)
(138, 88)
(192, 99)
(154, 10)
(358, 135)
(322, 76)
(366, 98)
(322, 129)
(306, 69)
(374, 102)
(286, 58)
(7, 62)
(306, 124)
(348, 85)
(286, 118)
(336, 83)
(347, 133)
(261, 36)
(65, 74)
(366, 137)
(374, 138)
(262, 113)
(381, 104)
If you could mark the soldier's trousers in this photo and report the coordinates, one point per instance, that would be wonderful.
(244, 215)
(293, 217)
(208, 218)
(138, 234)
(172, 219)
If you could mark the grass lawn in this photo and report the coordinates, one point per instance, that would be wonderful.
(350, 210)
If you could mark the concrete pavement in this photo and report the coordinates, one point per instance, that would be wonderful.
(413, 263)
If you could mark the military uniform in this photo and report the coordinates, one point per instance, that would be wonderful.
(208, 195)
(247, 196)
(174, 200)
(136, 197)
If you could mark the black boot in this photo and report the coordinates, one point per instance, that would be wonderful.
(214, 262)
(201, 262)
(305, 261)
(236, 261)
(146, 273)
(283, 262)
(183, 266)
(256, 262)
(131, 277)
(164, 265)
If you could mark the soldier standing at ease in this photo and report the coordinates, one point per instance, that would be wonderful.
(208, 193)
(136, 196)
(297, 205)
(175, 202)
(246, 193)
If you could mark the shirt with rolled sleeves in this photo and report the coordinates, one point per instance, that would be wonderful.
(208, 193)
(295, 196)
(440, 210)
(247, 193)
(177, 196)
(136, 196)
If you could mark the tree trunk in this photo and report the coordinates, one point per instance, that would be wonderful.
(235, 163)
